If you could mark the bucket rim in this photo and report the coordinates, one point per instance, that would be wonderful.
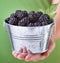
(52, 23)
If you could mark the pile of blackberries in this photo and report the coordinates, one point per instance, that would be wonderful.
(23, 18)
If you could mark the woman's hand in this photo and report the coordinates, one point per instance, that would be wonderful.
(27, 55)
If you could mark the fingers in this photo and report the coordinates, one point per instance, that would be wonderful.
(21, 54)
(33, 57)
(24, 50)
(15, 54)
(29, 55)
(21, 50)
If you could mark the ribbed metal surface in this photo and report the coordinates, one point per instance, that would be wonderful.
(35, 39)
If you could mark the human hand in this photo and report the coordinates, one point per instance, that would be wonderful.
(27, 55)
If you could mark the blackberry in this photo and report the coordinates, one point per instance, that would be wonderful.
(12, 15)
(7, 19)
(21, 23)
(50, 21)
(44, 23)
(44, 19)
(32, 16)
(21, 14)
(12, 21)
(31, 24)
(24, 22)
(37, 24)
(25, 13)
(39, 14)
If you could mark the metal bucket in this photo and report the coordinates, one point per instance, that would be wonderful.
(35, 39)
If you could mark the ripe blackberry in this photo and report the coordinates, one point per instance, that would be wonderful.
(23, 22)
(44, 18)
(31, 24)
(32, 16)
(12, 15)
(21, 14)
(7, 19)
(39, 14)
(25, 13)
(37, 24)
(44, 23)
(12, 21)
(50, 21)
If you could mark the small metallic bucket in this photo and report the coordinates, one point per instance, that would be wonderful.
(35, 39)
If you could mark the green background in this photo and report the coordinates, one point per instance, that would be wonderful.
(6, 8)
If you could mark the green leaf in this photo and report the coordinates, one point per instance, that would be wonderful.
(47, 11)
(53, 7)
(42, 10)
(53, 15)
(50, 11)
